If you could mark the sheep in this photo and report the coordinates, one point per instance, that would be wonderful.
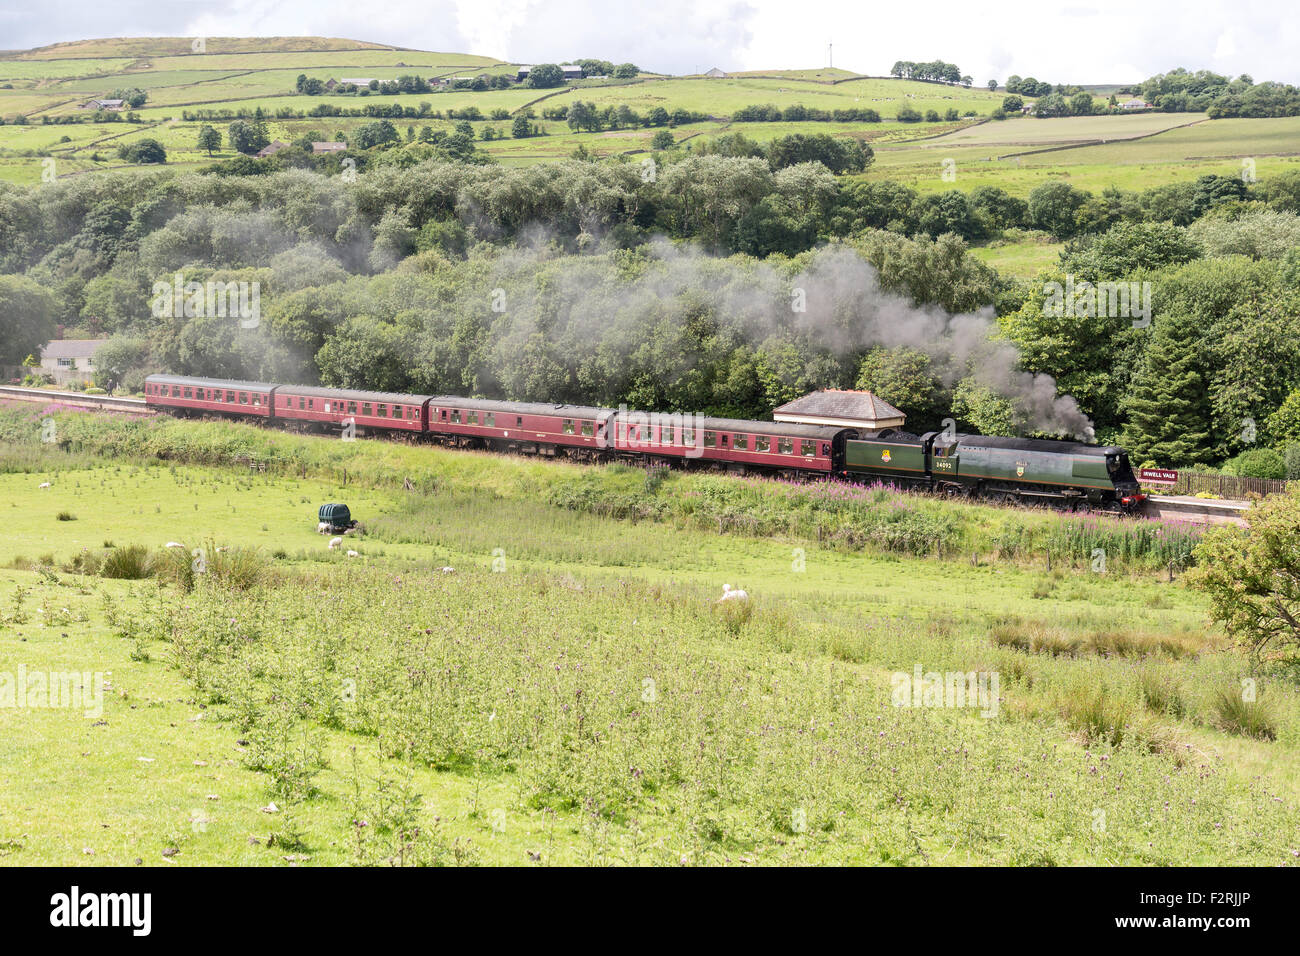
(732, 594)
(447, 570)
(173, 544)
(353, 554)
(334, 543)
(322, 527)
(44, 484)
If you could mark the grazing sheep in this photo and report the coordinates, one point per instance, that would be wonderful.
(44, 484)
(322, 527)
(174, 544)
(732, 594)
(334, 543)
(352, 554)
(447, 570)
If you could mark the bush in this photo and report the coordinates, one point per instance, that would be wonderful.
(1235, 714)
(130, 563)
(1257, 463)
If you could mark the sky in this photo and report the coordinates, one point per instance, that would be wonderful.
(1083, 42)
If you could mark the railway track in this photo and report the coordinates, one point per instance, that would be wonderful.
(75, 399)
(1168, 508)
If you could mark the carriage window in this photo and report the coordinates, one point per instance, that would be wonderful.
(826, 448)
(490, 419)
(383, 410)
(587, 429)
(352, 407)
(667, 434)
(741, 443)
(473, 417)
(785, 446)
(189, 392)
(724, 440)
(762, 443)
(688, 437)
(444, 414)
(302, 402)
(568, 426)
(519, 421)
(327, 406)
(808, 448)
(710, 439)
(243, 398)
(455, 416)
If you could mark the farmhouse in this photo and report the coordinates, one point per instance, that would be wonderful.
(70, 360)
(716, 74)
(328, 147)
(270, 150)
(848, 408)
(1137, 104)
(104, 105)
(357, 81)
(571, 71)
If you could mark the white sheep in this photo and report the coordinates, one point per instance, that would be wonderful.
(44, 484)
(174, 544)
(353, 554)
(447, 570)
(322, 527)
(732, 594)
(334, 543)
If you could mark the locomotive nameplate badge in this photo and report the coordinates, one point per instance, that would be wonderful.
(884, 455)
(1020, 469)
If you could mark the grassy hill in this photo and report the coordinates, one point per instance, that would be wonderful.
(228, 76)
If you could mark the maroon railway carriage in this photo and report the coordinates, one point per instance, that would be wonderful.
(528, 426)
(191, 395)
(368, 411)
(734, 442)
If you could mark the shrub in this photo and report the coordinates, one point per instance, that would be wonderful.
(1248, 718)
(130, 563)
(1257, 463)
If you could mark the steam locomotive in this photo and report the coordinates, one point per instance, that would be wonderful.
(1016, 470)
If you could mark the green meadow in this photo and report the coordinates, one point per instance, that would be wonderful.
(571, 691)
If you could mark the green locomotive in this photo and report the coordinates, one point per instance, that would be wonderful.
(1019, 470)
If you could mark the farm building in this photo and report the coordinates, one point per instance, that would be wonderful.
(846, 408)
(70, 360)
(104, 105)
(270, 149)
(571, 72)
(716, 74)
(1137, 104)
(328, 147)
(357, 81)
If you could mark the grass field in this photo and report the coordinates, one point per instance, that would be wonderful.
(571, 693)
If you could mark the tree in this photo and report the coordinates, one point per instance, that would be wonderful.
(662, 139)
(837, 155)
(1012, 103)
(1168, 404)
(144, 151)
(27, 318)
(521, 128)
(209, 139)
(906, 378)
(1252, 577)
(626, 71)
(545, 75)
(118, 356)
(993, 86)
(1053, 207)
(244, 137)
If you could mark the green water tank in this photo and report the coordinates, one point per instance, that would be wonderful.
(335, 515)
